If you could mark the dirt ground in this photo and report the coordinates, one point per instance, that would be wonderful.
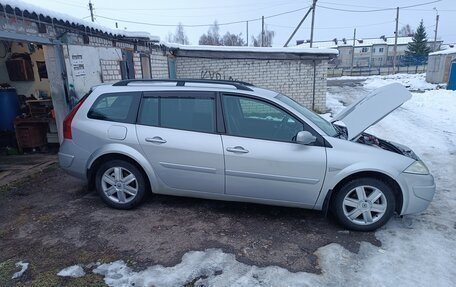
(52, 221)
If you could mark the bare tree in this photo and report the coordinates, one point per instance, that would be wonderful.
(233, 39)
(212, 37)
(268, 37)
(179, 36)
(405, 31)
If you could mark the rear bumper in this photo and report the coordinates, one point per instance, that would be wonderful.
(421, 192)
(73, 159)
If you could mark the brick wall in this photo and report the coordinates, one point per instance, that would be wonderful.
(293, 78)
(159, 64)
(137, 65)
(110, 71)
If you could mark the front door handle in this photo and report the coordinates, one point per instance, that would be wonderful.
(158, 140)
(237, 149)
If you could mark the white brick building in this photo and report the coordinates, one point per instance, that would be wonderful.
(298, 73)
(369, 52)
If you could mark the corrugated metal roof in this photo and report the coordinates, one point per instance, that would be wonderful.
(21, 8)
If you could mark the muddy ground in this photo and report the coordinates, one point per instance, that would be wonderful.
(52, 221)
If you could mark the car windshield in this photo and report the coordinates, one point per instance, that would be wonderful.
(323, 124)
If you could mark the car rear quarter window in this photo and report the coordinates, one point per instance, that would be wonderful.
(116, 107)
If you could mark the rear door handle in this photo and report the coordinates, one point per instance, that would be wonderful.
(237, 149)
(158, 140)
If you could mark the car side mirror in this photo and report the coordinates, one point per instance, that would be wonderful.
(305, 138)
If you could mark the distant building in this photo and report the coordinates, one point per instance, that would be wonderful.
(370, 52)
(439, 65)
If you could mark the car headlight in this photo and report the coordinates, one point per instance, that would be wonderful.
(418, 167)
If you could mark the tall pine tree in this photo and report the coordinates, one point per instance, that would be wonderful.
(418, 50)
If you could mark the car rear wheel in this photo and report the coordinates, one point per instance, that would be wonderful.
(120, 184)
(364, 204)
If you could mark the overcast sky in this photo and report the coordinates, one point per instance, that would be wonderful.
(329, 23)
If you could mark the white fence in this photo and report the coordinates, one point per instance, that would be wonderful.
(337, 72)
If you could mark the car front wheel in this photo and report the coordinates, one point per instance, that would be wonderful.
(120, 184)
(364, 204)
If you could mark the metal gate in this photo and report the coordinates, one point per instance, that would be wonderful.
(452, 78)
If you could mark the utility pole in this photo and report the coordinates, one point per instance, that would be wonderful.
(395, 41)
(436, 27)
(297, 27)
(353, 52)
(262, 31)
(247, 28)
(91, 11)
(314, 4)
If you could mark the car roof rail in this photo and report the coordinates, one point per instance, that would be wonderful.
(240, 85)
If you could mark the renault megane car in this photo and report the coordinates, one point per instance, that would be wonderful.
(233, 141)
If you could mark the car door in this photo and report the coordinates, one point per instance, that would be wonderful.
(177, 132)
(262, 159)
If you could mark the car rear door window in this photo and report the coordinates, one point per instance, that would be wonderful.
(192, 111)
(116, 107)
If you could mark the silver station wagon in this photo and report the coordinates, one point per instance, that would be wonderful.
(233, 141)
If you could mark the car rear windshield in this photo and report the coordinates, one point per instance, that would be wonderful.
(320, 122)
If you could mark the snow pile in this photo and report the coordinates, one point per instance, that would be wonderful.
(24, 266)
(216, 268)
(74, 271)
(414, 82)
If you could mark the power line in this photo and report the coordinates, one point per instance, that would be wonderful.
(72, 4)
(377, 10)
(336, 27)
(191, 15)
(196, 8)
(201, 25)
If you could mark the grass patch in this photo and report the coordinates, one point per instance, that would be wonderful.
(7, 269)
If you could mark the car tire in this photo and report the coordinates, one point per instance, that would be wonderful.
(120, 184)
(364, 204)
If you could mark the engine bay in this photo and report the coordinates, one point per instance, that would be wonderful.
(371, 140)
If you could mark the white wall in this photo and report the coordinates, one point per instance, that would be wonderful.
(91, 57)
(293, 78)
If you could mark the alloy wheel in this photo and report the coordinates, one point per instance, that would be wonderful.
(119, 184)
(364, 205)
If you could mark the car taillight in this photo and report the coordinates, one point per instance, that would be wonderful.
(69, 118)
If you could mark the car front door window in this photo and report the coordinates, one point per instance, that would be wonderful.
(247, 117)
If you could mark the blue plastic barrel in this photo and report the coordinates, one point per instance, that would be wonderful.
(9, 108)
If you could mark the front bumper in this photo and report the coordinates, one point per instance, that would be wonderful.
(421, 192)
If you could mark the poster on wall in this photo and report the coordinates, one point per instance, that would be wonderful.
(78, 65)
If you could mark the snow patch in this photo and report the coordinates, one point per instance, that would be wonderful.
(216, 268)
(413, 82)
(24, 266)
(444, 52)
(74, 271)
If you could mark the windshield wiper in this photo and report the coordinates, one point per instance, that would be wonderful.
(341, 131)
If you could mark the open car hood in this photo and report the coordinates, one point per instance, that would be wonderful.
(370, 109)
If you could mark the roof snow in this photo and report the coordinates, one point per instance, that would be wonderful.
(319, 51)
(444, 52)
(57, 16)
